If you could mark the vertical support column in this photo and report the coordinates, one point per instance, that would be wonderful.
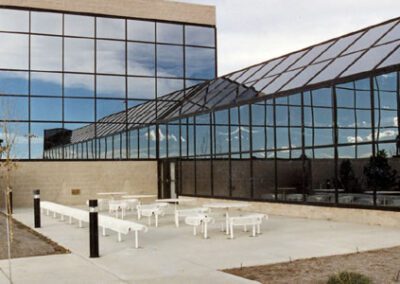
(36, 207)
(94, 229)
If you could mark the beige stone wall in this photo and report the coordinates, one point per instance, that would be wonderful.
(57, 179)
(362, 216)
(145, 9)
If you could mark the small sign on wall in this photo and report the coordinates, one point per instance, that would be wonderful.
(75, 191)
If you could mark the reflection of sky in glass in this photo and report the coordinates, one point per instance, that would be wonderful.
(46, 109)
(79, 55)
(17, 132)
(141, 30)
(110, 57)
(46, 23)
(202, 36)
(46, 84)
(14, 108)
(76, 25)
(107, 107)
(110, 28)
(141, 88)
(169, 61)
(46, 53)
(169, 33)
(14, 83)
(141, 59)
(200, 63)
(79, 110)
(111, 86)
(76, 85)
(14, 49)
(166, 86)
(14, 20)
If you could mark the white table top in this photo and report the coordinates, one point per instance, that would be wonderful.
(383, 192)
(173, 200)
(140, 196)
(327, 190)
(225, 205)
(112, 193)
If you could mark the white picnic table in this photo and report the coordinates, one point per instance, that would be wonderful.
(112, 194)
(139, 196)
(226, 206)
(175, 201)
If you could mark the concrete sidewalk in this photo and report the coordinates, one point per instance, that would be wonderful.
(174, 255)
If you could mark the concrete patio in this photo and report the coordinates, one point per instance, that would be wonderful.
(174, 255)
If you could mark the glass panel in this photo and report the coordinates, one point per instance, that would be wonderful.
(43, 137)
(304, 76)
(370, 37)
(322, 97)
(370, 59)
(133, 144)
(258, 138)
(394, 34)
(46, 53)
(166, 86)
(394, 58)
(311, 55)
(169, 33)
(107, 107)
(143, 143)
(14, 20)
(17, 132)
(14, 83)
(141, 59)
(110, 57)
(141, 88)
(78, 55)
(202, 36)
(110, 86)
(76, 25)
(169, 61)
(141, 30)
(282, 138)
(221, 139)
(46, 109)
(46, 84)
(79, 110)
(289, 60)
(14, 108)
(335, 68)
(173, 140)
(323, 136)
(110, 28)
(338, 47)
(200, 63)
(258, 114)
(14, 51)
(280, 82)
(46, 23)
(76, 85)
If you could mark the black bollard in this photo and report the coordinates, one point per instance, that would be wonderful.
(36, 207)
(94, 228)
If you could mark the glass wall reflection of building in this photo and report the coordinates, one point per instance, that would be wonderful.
(65, 71)
(312, 127)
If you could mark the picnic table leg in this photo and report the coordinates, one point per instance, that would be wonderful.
(231, 231)
(136, 239)
(205, 230)
(177, 219)
(156, 217)
(104, 231)
(254, 230)
(80, 224)
(227, 222)
(119, 237)
(194, 231)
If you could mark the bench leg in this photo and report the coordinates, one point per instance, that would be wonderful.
(231, 231)
(254, 231)
(104, 232)
(80, 224)
(54, 214)
(205, 230)
(62, 217)
(194, 230)
(176, 219)
(245, 228)
(119, 237)
(136, 239)
(156, 217)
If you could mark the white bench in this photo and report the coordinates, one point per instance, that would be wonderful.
(115, 206)
(199, 220)
(188, 212)
(253, 220)
(149, 210)
(105, 222)
(121, 227)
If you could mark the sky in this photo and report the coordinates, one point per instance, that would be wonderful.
(253, 31)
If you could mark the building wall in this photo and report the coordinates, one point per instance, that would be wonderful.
(362, 216)
(146, 9)
(56, 180)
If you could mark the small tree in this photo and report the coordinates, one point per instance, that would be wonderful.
(347, 177)
(379, 173)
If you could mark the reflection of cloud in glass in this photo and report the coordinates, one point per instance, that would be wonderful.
(141, 59)
(14, 50)
(46, 53)
(110, 57)
(169, 61)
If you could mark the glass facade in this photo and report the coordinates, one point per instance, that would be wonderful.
(316, 126)
(62, 74)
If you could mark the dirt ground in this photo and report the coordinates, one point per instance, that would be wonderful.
(26, 242)
(381, 266)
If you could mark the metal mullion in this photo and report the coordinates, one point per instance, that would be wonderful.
(275, 153)
(312, 123)
(63, 75)
(230, 154)
(355, 115)
(388, 55)
(251, 152)
(212, 138)
(195, 154)
(398, 101)
(126, 96)
(29, 86)
(303, 152)
(289, 128)
(98, 153)
(371, 86)
(335, 142)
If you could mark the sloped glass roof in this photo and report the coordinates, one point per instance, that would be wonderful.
(362, 51)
